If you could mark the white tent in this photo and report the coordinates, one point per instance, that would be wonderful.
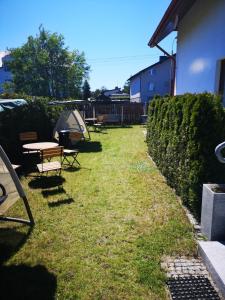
(11, 190)
(71, 120)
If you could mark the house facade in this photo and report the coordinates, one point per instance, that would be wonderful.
(108, 93)
(200, 59)
(151, 81)
(5, 74)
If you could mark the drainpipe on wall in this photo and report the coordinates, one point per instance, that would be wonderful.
(140, 88)
(172, 86)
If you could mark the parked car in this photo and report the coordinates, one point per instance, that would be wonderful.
(11, 103)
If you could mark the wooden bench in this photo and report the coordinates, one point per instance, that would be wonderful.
(111, 119)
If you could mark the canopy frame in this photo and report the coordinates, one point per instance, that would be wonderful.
(20, 191)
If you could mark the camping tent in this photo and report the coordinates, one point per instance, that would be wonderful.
(71, 120)
(11, 190)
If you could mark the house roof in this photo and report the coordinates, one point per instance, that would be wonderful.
(173, 15)
(165, 58)
(115, 89)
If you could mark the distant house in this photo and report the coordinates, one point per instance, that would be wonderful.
(108, 93)
(200, 59)
(115, 94)
(5, 74)
(151, 81)
(121, 96)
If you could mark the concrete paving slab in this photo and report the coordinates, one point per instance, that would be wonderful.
(213, 256)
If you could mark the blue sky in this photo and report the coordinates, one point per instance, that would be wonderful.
(113, 34)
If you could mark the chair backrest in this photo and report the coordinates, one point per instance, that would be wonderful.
(75, 136)
(100, 118)
(28, 136)
(51, 152)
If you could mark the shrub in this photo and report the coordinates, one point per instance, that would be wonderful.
(37, 115)
(182, 133)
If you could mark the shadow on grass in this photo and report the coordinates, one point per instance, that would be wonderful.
(29, 163)
(25, 282)
(60, 202)
(11, 240)
(45, 182)
(99, 130)
(47, 193)
(71, 169)
(90, 146)
(108, 126)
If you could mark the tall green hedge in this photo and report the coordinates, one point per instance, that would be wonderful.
(182, 133)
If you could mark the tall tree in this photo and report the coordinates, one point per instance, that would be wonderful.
(86, 92)
(126, 87)
(43, 66)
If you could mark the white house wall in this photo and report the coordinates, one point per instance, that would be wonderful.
(200, 47)
(5, 75)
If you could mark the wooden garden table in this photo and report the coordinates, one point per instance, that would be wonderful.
(39, 146)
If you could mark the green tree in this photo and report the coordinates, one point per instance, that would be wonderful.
(8, 87)
(126, 87)
(99, 95)
(43, 66)
(86, 92)
(96, 93)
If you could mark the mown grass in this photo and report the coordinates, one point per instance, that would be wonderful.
(103, 233)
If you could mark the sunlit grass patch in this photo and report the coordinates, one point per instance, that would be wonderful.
(103, 232)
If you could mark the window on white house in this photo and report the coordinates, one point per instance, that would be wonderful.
(151, 86)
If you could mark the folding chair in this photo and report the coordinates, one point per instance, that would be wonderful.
(99, 123)
(74, 138)
(48, 154)
(28, 137)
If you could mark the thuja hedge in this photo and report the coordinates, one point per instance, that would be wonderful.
(182, 133)
(37, 115)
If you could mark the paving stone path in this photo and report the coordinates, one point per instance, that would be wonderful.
(183, 267)
(188, 278)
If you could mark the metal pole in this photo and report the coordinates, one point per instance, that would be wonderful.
(122, 115)
(93, 111)
(84, 111)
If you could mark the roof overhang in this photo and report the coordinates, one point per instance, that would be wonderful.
(174, 13)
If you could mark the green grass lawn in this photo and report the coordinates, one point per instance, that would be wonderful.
(103, 234)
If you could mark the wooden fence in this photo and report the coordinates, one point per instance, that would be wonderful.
(128, 113)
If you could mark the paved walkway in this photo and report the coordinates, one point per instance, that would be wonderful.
(188, 278)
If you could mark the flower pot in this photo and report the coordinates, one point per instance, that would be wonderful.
(213, 212)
